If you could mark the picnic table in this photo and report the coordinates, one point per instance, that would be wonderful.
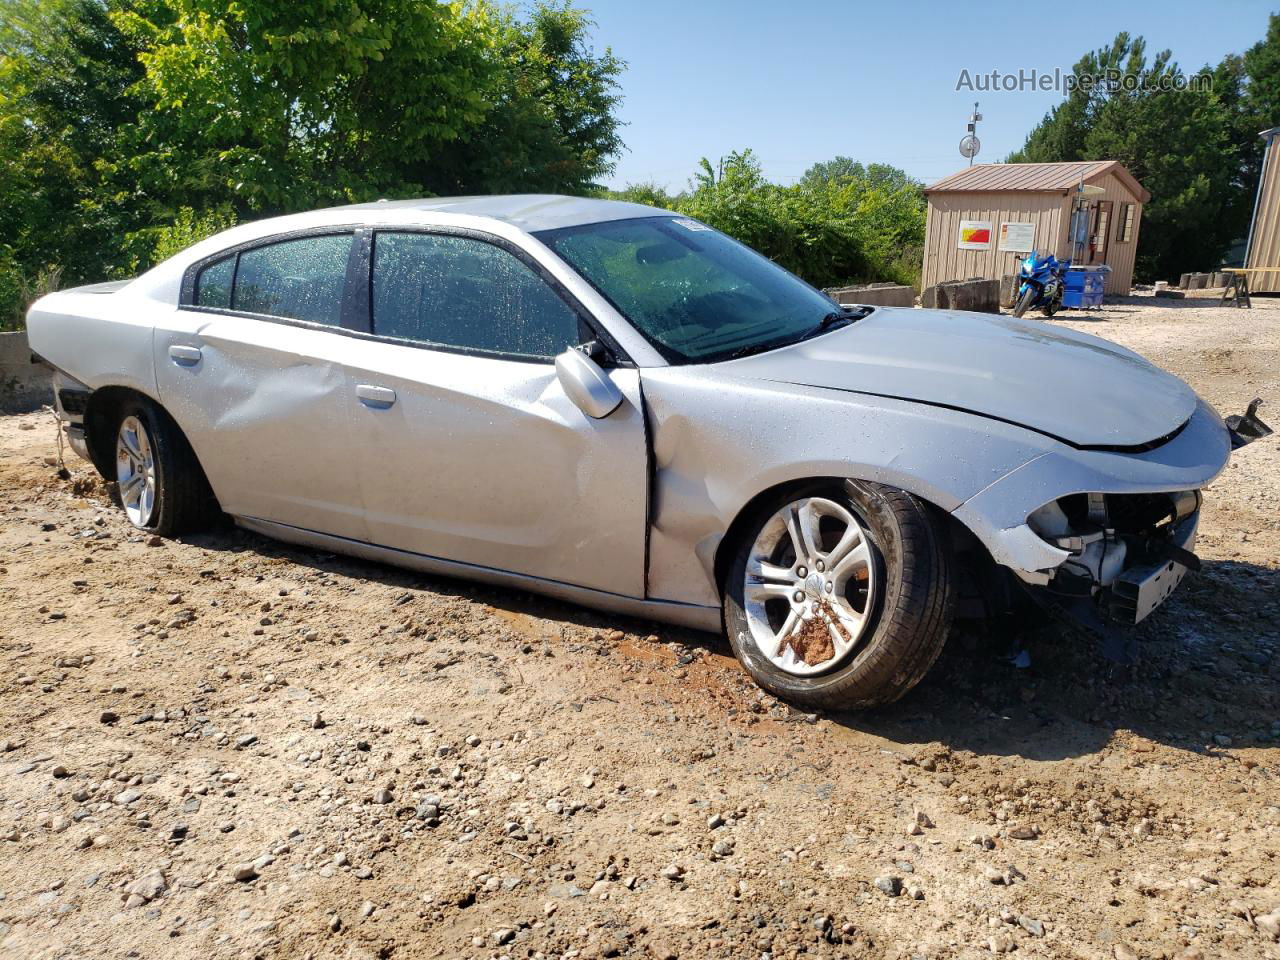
(1237, 287)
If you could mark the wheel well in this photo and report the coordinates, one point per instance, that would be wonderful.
(962, 538)
(729, 542)
(101, 416)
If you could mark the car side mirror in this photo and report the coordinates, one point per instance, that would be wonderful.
(586, 384)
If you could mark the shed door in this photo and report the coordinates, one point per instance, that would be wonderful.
(1101, 227)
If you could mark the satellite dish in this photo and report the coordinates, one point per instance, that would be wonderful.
(970, 146)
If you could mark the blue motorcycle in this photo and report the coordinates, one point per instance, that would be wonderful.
(1041, 284)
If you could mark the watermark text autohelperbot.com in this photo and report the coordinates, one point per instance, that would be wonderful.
(1108, 81)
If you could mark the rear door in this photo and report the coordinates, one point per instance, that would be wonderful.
(250, 365)
(467, 447)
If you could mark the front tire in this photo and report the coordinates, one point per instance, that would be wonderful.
(162, 488)
(839, 596)
(1053, 304)
(1024, 301)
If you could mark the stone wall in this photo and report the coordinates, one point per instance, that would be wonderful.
(23, 385)
(982, 296)
(875, 295)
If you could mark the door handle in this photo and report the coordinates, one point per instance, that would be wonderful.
(378, 397)
(184, 355)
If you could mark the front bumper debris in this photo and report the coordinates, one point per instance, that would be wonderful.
(1247, 427)
(1108, 613)
(1139, 591)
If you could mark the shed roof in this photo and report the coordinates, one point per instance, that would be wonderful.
(1035, 178)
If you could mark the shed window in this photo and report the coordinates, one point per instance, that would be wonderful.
(1124, 229)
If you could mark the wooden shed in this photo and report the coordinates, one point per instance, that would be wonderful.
(987, 217)
(1264, 232)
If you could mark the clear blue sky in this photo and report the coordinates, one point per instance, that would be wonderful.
(806, 80)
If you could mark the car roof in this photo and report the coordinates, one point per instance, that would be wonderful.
(530, 212)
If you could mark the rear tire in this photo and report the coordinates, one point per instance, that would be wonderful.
(906, 603)
(1024, 301)
(161, 484)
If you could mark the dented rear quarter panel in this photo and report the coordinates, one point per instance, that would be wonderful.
(101, 339)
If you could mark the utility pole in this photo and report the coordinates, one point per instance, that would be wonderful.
(970, 145)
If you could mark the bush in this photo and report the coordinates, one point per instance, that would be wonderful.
(863, 225)
(18, 289)
(154, 245)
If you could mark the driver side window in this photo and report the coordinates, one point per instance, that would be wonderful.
(462, 292)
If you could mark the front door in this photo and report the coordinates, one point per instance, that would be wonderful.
(467, 447)
(250, 365)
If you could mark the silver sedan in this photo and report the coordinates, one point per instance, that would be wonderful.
(621, 407)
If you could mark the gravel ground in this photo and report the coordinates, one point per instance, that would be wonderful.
(225, 747)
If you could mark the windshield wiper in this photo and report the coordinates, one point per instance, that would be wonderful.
(834, 319)
(750, 349)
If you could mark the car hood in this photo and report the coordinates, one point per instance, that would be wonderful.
(1080, 389)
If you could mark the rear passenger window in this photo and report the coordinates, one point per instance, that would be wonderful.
(462, 292)
(213, 284)
(297, 279)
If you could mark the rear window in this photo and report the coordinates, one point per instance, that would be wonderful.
(297, 279)
(213, 284)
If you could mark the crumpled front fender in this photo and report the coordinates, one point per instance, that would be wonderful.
(719, 442)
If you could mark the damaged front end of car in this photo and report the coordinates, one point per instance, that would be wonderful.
(1127, 553)
(1101, 538)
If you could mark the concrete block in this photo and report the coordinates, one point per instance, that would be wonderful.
(23, 385)
(876, 295)
(982, 296)
(1009, 284)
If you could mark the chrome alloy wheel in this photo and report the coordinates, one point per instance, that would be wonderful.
(136, 471)
(810, 586)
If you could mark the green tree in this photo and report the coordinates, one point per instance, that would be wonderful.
(1190, 140)
(1256, 75)
(1261, 64)
(128, 124)
(64, 79)
(846, 223)
(278, 105)
(842, 170)
(550, 124)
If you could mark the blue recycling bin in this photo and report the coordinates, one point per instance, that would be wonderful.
(1084, 286)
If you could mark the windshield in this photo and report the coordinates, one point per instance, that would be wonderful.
(695, 294)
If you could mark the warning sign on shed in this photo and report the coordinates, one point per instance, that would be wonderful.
(975, 234)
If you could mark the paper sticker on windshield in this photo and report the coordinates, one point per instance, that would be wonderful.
(691, 224)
